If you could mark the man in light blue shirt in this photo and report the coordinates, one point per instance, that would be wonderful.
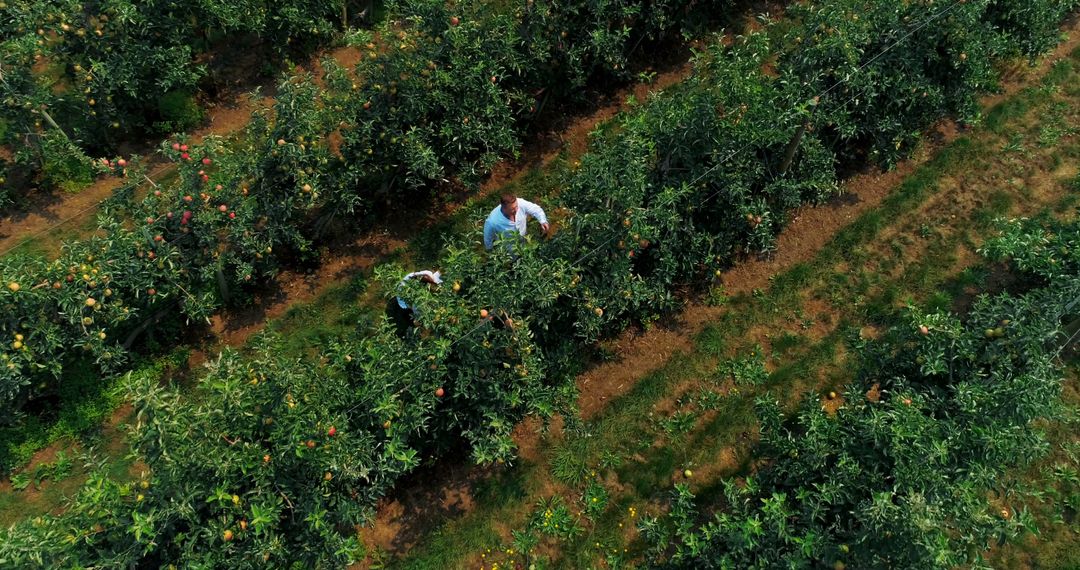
(511, 216)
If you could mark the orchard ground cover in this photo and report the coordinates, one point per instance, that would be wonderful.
(786, 334)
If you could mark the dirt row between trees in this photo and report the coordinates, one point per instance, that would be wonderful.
(447, 490)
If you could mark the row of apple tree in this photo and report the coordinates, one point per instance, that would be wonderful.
(913, 470)
(83, 77)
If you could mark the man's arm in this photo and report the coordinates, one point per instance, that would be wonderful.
(535, 211)
(489, 234)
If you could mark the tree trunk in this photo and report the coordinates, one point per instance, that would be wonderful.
(789, 153)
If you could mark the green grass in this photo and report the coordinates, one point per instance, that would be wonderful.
(305, 329)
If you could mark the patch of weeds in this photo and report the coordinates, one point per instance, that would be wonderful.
(553, 518)
(1016, 145)
(716, 297)
(788, 341)
(748, 371)
(56, 470)
(939, 301)
(610, 459)
(568, 465)
(1055, 125)
(595, 498)
(679, 424)
(1058, 72)
(709, 400)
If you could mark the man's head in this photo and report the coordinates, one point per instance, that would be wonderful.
(509, 205)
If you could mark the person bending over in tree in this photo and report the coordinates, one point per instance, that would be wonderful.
(399, 311)
(511, 216)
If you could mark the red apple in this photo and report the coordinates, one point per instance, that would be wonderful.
(176, 146)
(331, 432)
(185, 156)
(151, 291)
(183, 147)
(232, 215)
(207, 161)
(439, 393)
(454, 20)
(223, 208)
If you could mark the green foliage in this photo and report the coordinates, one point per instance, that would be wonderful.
(1041, 248)
(179, 111)
(594, 499)
(113, 61)
(6, 196)
(553, 518)
(685, 184)
(63, 164)
(1031, 27)
(746, 371)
